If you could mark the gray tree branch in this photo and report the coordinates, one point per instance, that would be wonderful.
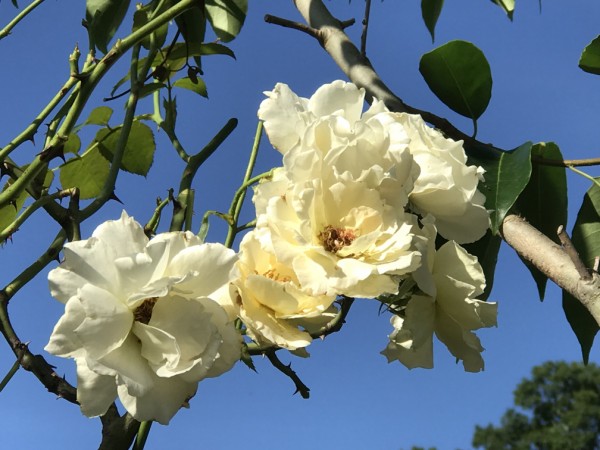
(548, 257)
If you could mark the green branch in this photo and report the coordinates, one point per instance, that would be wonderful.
(88, 82)
(8, 28)
(194, 163)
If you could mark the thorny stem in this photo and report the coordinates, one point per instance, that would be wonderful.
(42, 201)
(87, 85)
(287, 370)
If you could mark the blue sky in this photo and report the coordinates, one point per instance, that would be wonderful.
(358, 400)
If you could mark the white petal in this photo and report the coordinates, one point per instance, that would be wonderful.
(160, 403)
(64, 341)
(129, 366)
(282, 115)
(95, 393)
(340, 98)
(107, 321)
(210, 265)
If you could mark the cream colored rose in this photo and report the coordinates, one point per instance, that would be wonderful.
(141, 319)
(451, 311)
(338, 238)
(272, 302)
(446, 186)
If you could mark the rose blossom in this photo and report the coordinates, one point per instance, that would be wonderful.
(140, 318)
(450, 282)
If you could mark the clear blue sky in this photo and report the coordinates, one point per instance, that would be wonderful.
(358, 401)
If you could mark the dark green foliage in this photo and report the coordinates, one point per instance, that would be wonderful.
(430, 10)
(590, 58)
(547, 186)
(561, 410)
(459, 75)
(586, 239)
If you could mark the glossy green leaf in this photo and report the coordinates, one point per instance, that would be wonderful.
(142, 16)
(88, 173)
(506, 176)
(590, 58)
(139, 149)
(486, 249)
(430, 11)
(459, 75)
(586, 239)
(198, 88)
(226, 17)
(547, 186)
(192, 25)
(103, 18)
(508, 6)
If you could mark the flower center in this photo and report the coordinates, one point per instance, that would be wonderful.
(335, 239)
(276, 276)
(143, 313)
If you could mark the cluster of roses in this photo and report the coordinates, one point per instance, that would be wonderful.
(354, 211)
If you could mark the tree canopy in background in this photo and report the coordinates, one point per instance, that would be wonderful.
(557, 408)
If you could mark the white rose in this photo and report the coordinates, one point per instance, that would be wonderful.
(271, 300)
(140, 319)
(287, 116)
(338, 236)
(451, 311)
(446, 186)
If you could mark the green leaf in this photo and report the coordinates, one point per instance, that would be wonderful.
(15, 4)
(590, 58)
(486, 249)
(142, 16)
(139, 149)
(430, 10)
(508, 6)
(170, 115)
(547, 186)
(88, 173)
(103, 19)
(192, 25)
(99, 116)
(586, 239)
(187, 83)
(73, 144)
(150, 88)
(9, 212)
(505, 178)
(226, 17)
(178, 57)
(460, 76)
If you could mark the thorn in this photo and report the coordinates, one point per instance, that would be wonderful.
(113, 196)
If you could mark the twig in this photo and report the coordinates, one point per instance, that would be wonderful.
(565, 162)
(287, 370)
(569, 248)
(293, 25)
(365, 23)
(7, 29)
(118, 431)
